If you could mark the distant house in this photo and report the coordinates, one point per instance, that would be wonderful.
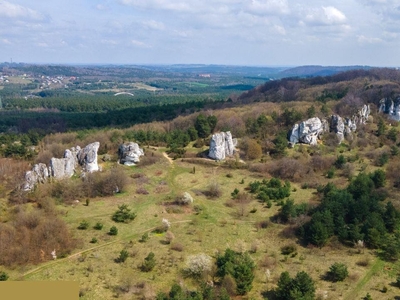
(205, 75)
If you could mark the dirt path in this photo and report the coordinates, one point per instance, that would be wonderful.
(168, 158)
(58, 261)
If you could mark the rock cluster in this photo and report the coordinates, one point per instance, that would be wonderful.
(129, 154)
(309, 131)
(65, 167)
(390, 107)
(222, 145)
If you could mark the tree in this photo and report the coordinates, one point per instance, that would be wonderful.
(202, 126)
(3, 276)
(392, 134)
(197, 265)
(300, 287)
(238, 265)
(252, 149)
(123, 214)
(113, 231)
(337, 272)
(148, 263)
(381, 127)
(317, 234)
(123, 255)
(379, 178)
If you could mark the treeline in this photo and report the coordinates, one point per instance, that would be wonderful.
(50, 122)
(368, 85)
(69, 102)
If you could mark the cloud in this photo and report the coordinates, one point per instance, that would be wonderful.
(325, 16)
(6, 41)
(15, 11)
(152, 24)
(269, 7)
(368, 40)
(140, 44)
(102, 7)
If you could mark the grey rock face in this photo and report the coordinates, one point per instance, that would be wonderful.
(65, 167)
(39, 173)
(87, 157)
(221, 145)
(307, 131)
(390, 107)
(337, 126)
(129, 154)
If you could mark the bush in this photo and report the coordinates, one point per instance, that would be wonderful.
(337, 272)
(123, 255)
(3, 276)
(213, 190)
(288, 249)
(98, 226)
(83, 225)
(93, 240)
(123, 214)
(197, 265)
(113, 231)
(144, 238)
(149, 263)
(300, 287)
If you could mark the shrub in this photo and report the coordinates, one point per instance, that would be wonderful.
(98, 226)
(123, 214)
(340, 161)
(169, 236)
(3, 276)
(288, 249)
(93, 240)
(113, 231)
(123, 255)
(177, 247)
(149, 263)
(83, 225)
(213, 190)
(144, 238)
(337, 272)
(197, 265)
(300, 287)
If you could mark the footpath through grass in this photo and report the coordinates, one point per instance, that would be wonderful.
(375, 268)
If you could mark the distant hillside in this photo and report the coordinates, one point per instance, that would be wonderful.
(312, 71)
(367, 85)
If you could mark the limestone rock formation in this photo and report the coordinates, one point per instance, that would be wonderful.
(87, 157)
(222, 145)
(307, 131)
(39, 173)
(129, 154)
(65, 167)
(337, 126)
(187, 198)
(390, 107)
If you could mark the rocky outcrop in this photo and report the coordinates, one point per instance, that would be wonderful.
(129, 154)
(307, 132)
(65, 167)
(222, 145)
(87, 157)
(390, 107)
(38, 174)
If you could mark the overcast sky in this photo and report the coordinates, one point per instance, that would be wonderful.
(234, 32)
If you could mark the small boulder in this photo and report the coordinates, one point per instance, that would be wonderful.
(129, 154)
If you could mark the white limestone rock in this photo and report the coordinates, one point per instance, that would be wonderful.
(390, 107)
(38, 174)
(87, 157)
(129, 154)
(307, 132)
(221, 145)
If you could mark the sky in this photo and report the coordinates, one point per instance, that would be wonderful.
(229, 32)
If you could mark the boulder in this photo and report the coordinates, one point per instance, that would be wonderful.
(129, 154)
(307, 132)
(87, 157)
(221, 145)
(38, 174)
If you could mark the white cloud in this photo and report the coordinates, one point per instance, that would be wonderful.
(325, 16)
(269, 7)
(368, 40)
(6, 41)
(279, 29)
(152, 24)
(15, 11)
(140, 44)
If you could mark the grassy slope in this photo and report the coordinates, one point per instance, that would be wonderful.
(214, 229)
